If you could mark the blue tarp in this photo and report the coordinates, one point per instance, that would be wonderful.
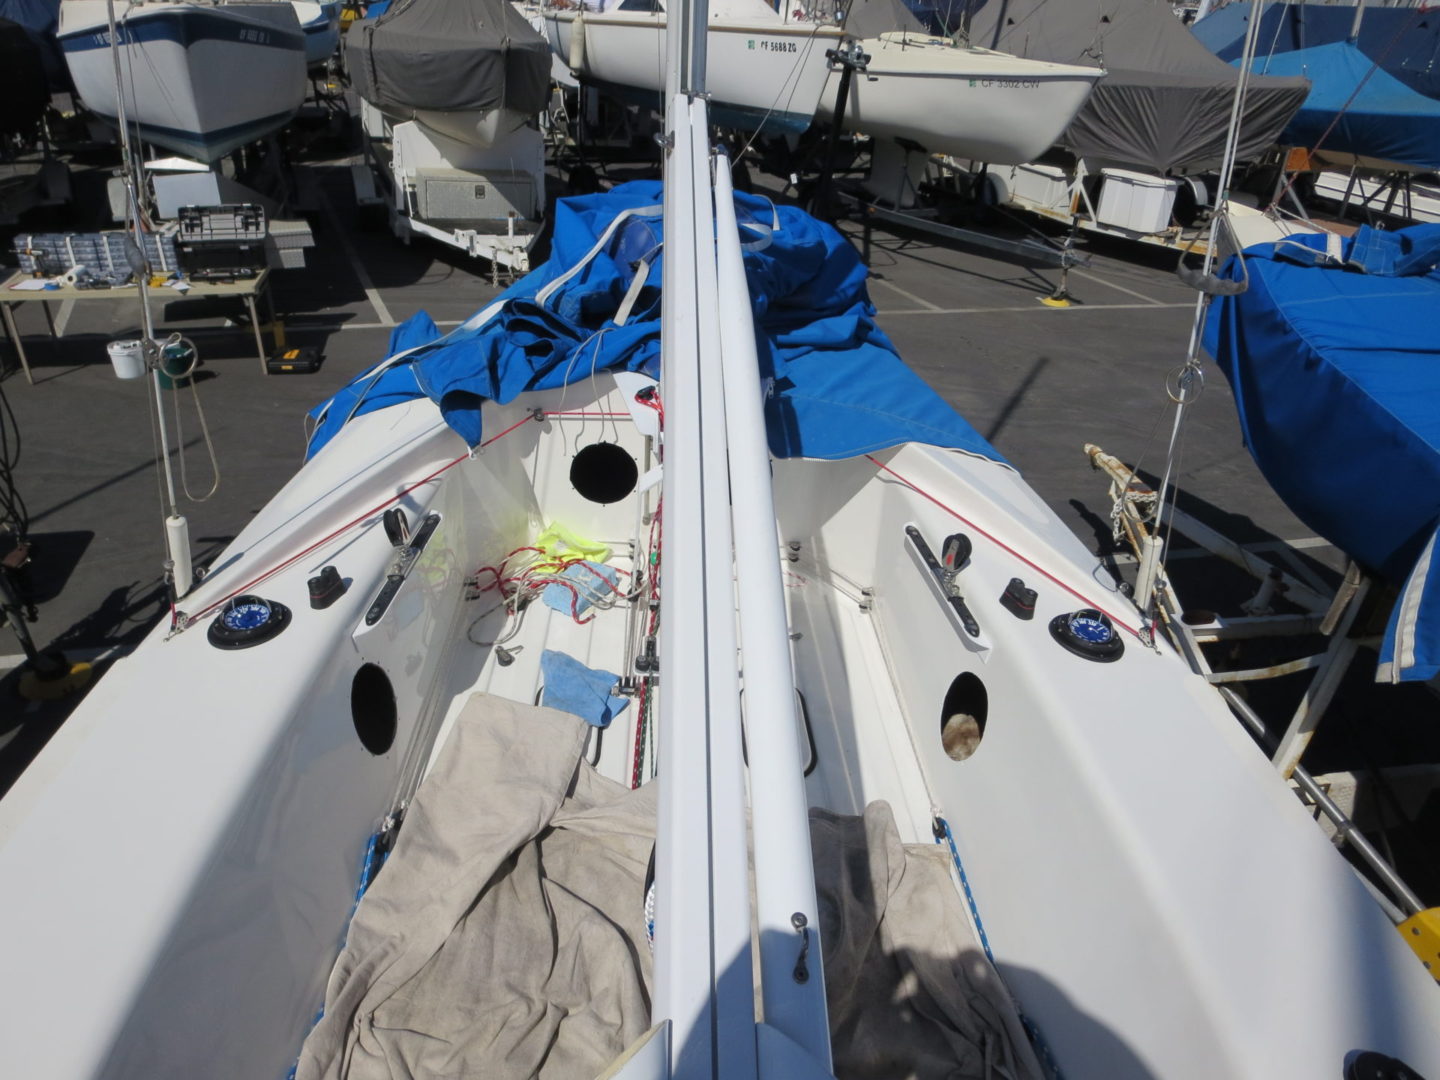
(1336, 375)
(837, 386)
(41, 18)
(1404, 41)
(1384, 119)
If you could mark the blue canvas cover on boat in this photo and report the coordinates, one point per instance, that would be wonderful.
(837, 387)
(1381, 117)
(1404, 41)
(1335, 367)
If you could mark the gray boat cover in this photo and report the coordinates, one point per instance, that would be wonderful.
(871, 18)
(1164, 103)
(449, 55)
(506, 936)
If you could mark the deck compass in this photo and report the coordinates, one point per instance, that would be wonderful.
(1088, 633)
(247, 620)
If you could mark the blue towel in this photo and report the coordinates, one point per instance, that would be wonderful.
(572, 687)
(591, 584)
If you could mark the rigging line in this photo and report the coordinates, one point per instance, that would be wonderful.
(12, 506)
(1275, 38)
(367, 515)
(1002, 545)
(1191, 376)
(188, 377)
(792, 77)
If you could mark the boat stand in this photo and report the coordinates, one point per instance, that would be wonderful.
(1028, 250)
(1037, 250)
(1334, 617)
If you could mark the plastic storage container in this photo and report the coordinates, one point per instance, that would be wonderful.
(1136, 201)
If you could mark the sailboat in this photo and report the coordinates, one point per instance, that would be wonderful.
(200, 78)
(321, 24)
(766, 68)
(952, 97)
(652, 682)
(450, 92)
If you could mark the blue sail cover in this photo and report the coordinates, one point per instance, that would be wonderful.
(1335, 367)
(837, 386)
(1404, 41)
(1383, 119)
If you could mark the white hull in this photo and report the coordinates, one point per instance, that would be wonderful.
(201, 80)
(967, 102)
(759, 70)
(321, 24)
(1157, 900)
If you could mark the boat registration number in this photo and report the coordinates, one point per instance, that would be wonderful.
(1006, 84)
(774, 46)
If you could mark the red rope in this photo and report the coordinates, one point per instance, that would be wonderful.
(636, 758)
(293, 559)
(1006, 547)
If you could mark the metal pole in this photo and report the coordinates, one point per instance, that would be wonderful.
(704, 983)
(848, 57)
(1345, 829)
(685, 47)
(792, 987)
(177, 537)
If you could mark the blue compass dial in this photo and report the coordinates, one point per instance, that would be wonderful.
(246, 615)
(1091, 628)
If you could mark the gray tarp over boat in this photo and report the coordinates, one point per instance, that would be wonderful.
(871, 18)
(449, 55)
(1164, 103)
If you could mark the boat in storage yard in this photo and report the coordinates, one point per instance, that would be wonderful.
(1165, 98)
(953, 98)
(766, 68)
(201, 79)
(1332, 358)
(321, 24)
(450, 94)
(477, 662)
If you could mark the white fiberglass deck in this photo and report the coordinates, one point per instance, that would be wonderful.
(861, 753)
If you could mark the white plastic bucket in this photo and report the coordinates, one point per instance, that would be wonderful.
(128, 358)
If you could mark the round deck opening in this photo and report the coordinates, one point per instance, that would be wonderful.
(604, 473)
(372, 707)
(962, 716)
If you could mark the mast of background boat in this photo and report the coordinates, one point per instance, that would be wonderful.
(704, 984)
(177, 529)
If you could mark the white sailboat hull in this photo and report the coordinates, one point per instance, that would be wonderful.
(321, 23)
(967, 102)
(201, 80)
(758, 71)
(1159, 903)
